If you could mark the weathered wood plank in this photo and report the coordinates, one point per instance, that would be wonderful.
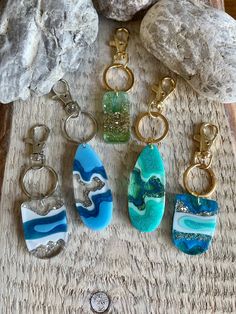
(142, 273)
(5, 128)
(230, 7)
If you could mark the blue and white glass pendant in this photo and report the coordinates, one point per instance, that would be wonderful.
(43, 216)
(146, 191)
(194, 223)
(91, 190)
(45, 234)
(195, 215)
(93, 198)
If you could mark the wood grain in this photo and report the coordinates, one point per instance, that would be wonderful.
(142, 273)
(230, 7)
(5, 127)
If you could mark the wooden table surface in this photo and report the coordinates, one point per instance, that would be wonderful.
(142, 273)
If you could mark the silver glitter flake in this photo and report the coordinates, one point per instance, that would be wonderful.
(83, 189)
(181, 207)
(49, 250)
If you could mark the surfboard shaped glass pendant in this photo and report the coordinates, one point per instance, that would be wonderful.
(195, 215)
(91, 190)
(93, 197)
(194, 223)
(44, 215)
(116, 105)
(146, 193)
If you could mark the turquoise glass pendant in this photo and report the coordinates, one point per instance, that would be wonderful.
(146, 193)
(116, 110)
(194, 223)
(92, 194)
(45, 233)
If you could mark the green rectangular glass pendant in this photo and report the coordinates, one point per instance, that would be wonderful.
(116, 108)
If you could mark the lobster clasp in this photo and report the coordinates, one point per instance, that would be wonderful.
(206, 138)
(38, 137)
(162, 90)
(120, 42)
(62, 92)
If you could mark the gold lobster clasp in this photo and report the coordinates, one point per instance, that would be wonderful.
(206, 137)
(203, 159)
(120, 42)
(162, 91)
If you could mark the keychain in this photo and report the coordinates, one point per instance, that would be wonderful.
(89, 175)
(44, 215)
(195, 215)
(146, 192)
(116, 105)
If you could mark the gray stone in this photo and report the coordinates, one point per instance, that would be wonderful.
(122, 10)
(195, 41)
(40, 41)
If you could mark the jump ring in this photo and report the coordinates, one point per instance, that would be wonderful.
(125, 69)
(36, 167)
(152, 115)
(210, 173)
(83, 140)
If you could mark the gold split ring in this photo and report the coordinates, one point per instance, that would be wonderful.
(154, 115)
(211, 174)
(126, 69)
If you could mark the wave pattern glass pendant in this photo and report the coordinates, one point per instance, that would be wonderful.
(116, 117)
(46, 233)
(92, 194)
(146, 194)
(194, 223)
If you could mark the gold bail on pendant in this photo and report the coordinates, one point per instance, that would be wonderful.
(203, 158)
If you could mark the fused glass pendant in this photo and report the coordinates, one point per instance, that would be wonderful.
(92, 194)
(116, 117)
(194, 223)
(146, 193)
(45, 232)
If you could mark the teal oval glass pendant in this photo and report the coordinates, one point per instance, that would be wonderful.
(194, 223)
(146, 192)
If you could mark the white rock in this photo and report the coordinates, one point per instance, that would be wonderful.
(196, 41)
(122, 10)
(40, 41)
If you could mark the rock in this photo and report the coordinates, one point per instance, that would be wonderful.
(195, 41)
(40, 41)
(122, 10)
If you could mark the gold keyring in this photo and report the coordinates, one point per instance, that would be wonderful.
(210, 173)
(153, 115)
(36, 167)
(130, 82)
(85, 139)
